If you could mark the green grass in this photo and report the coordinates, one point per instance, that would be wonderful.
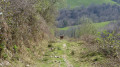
(97, 25)
(78, 47)
(61, 52)
(102, 24)
(65, 28)
(78, 3)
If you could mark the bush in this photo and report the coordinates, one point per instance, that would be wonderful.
(5, 56)
(25, 23)
(91, 39)
(15, 48)
(1, 48)
(86, 28)
(109, 43)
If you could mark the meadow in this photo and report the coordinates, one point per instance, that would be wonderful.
(96, 25)
(79, 3)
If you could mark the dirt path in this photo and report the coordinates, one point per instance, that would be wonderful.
(68, 64)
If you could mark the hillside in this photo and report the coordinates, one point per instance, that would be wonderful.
(78, 3)
(24, 31)
(94, 13)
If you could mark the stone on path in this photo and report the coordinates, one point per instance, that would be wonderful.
(64, 45)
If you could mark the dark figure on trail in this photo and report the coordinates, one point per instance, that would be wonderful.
(61, 37)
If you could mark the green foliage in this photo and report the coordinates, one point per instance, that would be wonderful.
(109, 39)
(86, 27)
(15, 57)
(109, 43)
(50, 45)
(42, 5)
(28, 49)
(2, 46)
(72, 52)
(45, 59)
(5, 56)
(48, 9)
(15, 48)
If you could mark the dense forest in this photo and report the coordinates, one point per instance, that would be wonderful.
(97, 13)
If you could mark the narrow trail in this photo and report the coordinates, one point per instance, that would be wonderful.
(59, 55)
(68, 64)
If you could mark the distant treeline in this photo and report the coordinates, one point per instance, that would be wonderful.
(87, 27)
(98, 13)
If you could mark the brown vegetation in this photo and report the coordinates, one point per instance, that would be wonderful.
(25, 27)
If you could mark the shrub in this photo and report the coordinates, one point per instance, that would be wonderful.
(5, 56)
(25, 23)
(1, 48)
(91, 39)
(109, 43)
(15, 48)
(86, 28)
(72, 52)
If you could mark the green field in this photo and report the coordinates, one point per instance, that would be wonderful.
(65, 28)
(102, 24)
(97, 25)
(78, 3)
